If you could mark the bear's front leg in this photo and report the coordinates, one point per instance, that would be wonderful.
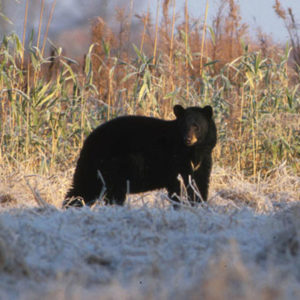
(175, 191)
(191, 188)
(115, 197)
(201, 177)
(174, 194)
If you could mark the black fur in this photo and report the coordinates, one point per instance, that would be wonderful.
(136, 154)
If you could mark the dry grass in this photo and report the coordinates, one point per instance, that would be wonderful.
(50, 104)
(243, 244)
(228, 188)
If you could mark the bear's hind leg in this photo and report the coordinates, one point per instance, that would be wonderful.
(174, 194)
(79, 199)
(86, 190)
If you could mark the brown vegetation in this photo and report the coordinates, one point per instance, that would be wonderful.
(51, 103)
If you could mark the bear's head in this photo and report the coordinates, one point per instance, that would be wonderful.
(194, 123)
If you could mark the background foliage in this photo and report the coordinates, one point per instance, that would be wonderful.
(49, 103)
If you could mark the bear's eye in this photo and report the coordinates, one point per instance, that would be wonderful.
(195, 126)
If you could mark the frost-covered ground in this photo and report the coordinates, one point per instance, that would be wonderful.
(244, 244)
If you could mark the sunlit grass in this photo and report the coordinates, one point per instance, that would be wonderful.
(50, 104)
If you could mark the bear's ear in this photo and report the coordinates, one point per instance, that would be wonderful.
(178, 110)
(208, 111)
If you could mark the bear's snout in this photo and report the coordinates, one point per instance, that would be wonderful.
(190, 140)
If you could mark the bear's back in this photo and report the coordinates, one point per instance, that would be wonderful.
(132, 134)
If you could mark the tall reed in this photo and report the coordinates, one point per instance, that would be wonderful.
(45, 121)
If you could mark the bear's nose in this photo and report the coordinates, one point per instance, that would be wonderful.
(188, 140)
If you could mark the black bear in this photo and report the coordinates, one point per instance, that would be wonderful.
(133, 154)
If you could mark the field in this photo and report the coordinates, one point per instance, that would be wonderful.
(244, 243)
